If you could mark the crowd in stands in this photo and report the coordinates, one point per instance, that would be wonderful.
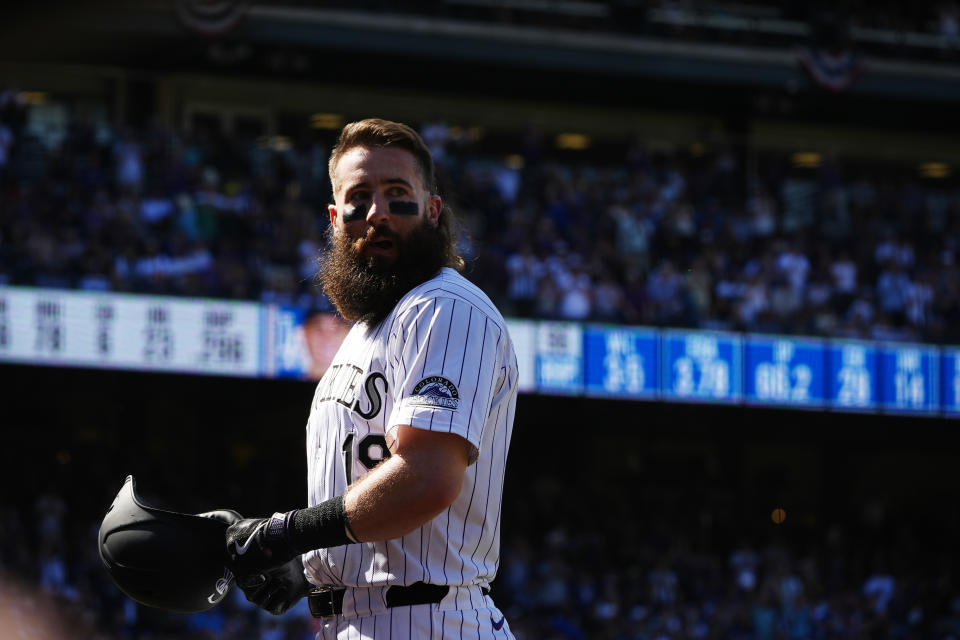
(712, 235)
(627, 571)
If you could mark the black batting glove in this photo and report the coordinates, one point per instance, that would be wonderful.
(280, 587)
(256, 545)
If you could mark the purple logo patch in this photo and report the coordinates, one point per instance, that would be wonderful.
(435, 392)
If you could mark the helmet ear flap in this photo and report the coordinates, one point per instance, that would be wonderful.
(164, 559)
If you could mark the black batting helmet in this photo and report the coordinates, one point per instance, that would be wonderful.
(165, 559)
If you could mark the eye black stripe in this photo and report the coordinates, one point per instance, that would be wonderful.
(404, 208)
(352, 213)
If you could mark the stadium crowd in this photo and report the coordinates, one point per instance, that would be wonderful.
(633, 572)
(711, 235)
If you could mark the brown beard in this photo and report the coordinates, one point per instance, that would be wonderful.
(366, 289)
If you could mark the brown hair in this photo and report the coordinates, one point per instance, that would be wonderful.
(375, 132)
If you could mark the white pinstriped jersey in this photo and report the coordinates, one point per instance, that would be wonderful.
(442, 360)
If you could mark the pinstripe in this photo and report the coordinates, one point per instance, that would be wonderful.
(473, 403)
(463, 358)
(416, 329)
(463, 536)
(438, 308)
(369, 594)
(422, 563)
(503, 380)
(426, 564)
(387, 557)
(362, 548)
(446, 344)
(492, 366)
(487, 505)
(426, 343)
(403, 363)
(446, 551)
(462, 363)
(510, 410)
(340, 552)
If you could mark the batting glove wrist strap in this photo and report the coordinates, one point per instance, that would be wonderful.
(319, 527)
(256, 544)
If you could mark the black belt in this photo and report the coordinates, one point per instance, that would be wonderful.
(329, 602)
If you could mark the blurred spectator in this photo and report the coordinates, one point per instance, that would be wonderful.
(524, 270)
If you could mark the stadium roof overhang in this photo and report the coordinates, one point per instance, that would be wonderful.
(334, 42)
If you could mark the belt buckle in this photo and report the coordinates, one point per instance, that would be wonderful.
(322, 595)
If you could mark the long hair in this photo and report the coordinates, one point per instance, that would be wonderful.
(375, 132)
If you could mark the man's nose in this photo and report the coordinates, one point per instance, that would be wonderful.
(378, 210)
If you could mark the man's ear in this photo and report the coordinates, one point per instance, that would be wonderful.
(332, 208)
(434, 207)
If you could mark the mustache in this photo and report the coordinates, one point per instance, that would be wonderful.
(375, 234)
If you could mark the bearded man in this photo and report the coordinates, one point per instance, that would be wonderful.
(409, 427)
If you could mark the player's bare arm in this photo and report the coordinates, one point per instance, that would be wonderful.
(422, 477)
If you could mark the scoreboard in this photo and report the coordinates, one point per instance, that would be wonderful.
(909, 378)
(621, 362)
(851, 375)
(49, 326)
(203, 336)
(784, 371)
(702, 366)
(559, 357)
(950, 381)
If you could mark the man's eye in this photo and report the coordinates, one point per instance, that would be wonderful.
(397, 192)
(358, 197)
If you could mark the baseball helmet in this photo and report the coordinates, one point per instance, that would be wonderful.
(165, 559)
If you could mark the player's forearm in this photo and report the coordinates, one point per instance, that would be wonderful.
(421, 478)
(401, 495)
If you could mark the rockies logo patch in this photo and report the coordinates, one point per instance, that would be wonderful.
(435, 392)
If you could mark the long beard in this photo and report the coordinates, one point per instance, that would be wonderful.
(367, 289)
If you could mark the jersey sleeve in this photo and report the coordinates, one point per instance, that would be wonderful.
(445, 358)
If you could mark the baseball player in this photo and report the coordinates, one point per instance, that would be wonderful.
(410, 425)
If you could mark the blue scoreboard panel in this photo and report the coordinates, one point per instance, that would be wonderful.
(851, 375)
(784, 371)
(702, 366)
(910, 378)
(621, 362)
(950, 381)
(559, 358)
